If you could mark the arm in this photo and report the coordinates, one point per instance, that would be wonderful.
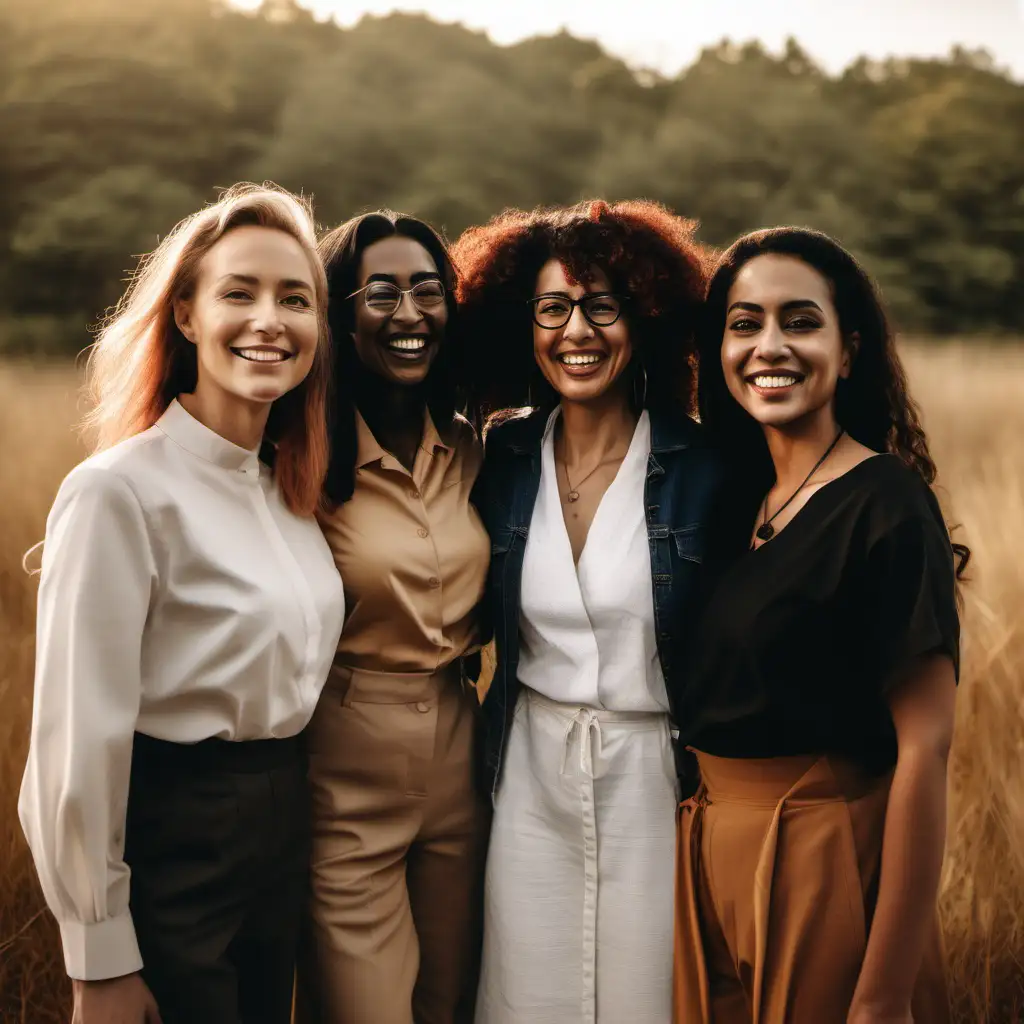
(94, 596)
(922, 707)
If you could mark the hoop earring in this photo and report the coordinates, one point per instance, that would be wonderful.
(640, 400)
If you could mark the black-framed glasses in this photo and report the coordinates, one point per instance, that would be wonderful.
(601, 309)
(385, 298)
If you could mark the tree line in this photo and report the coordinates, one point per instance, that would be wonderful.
(117, 117)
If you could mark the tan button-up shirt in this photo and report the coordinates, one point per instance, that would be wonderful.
(412, 553)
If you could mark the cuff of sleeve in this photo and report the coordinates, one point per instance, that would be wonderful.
(101, 950)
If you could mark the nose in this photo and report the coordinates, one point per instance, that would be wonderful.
(578, 327)
(407, 312)
(267, 317)
(772, 344)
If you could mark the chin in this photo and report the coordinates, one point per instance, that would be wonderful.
(779, 416)
(584, 391)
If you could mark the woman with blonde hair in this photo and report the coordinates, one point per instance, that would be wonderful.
(188, 611)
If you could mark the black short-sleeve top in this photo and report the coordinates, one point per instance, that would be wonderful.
(801, 638)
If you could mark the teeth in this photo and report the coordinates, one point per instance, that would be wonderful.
(774, 382)
(257, 355)
(580, 360)
(408, 344)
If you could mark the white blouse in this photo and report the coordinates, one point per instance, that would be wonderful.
(587, 634)
(179, 597)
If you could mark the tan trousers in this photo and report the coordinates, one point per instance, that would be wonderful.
(778, 864)
(399, 837)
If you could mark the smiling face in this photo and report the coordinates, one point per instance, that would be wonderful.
(252, 316)
(783, 351)
(581, 361)
(399, 344)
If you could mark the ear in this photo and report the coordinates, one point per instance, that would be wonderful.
(850, 350)
(183, 318)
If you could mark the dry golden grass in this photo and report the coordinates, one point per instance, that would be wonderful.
(972, 400)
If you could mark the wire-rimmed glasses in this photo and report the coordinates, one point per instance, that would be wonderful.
(552, 311)
(384, 297)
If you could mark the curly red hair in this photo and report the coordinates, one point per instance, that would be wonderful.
(647, 253)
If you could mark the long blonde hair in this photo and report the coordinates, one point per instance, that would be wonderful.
(140, 361)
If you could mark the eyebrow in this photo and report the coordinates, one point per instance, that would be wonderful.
(566, 295)
(753, 307)
(420, 275)
(291, 282)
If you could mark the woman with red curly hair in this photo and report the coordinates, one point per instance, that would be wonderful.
(595, 499)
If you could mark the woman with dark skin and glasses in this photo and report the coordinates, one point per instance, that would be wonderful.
(595, 503)
(821, 698)
(399, 831)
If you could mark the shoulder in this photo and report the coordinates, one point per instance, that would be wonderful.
(890, 484)
(893, 496)
(115, 470)
(113, 478)
(671, 428)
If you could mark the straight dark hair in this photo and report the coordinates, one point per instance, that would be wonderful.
(342, 252)
(873, 404)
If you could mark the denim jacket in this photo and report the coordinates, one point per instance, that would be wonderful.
(683, 480)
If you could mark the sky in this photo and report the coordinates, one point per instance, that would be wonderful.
(666, 35)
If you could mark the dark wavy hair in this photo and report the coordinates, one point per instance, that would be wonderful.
(342, 251)
(647, 253)
(873, 404)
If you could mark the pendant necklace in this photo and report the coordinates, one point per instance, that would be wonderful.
(766, 531)
(573, 494)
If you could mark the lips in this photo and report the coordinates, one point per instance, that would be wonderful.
(264, 354)
(407, 346)
(580, 363)
(770, 383)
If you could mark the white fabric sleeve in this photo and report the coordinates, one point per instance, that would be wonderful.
(98, 574)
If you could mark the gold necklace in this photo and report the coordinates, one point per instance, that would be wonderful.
(573, 494)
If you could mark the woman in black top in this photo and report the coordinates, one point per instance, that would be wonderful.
(821, 694)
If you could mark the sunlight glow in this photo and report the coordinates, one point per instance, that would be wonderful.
(668, 36)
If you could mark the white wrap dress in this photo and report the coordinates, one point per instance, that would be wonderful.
(580, 873)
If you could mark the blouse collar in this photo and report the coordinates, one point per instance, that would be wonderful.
(206, 444)
(369, 450)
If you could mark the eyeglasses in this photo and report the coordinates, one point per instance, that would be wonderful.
(601, 309)
(385, 298)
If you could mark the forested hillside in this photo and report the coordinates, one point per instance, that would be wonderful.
(119, 116)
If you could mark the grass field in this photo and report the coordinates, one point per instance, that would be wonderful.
(973, 400)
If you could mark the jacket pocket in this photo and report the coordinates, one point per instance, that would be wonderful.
(689, 542)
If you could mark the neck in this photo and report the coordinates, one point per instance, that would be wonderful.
(236, 420)
(594, 430)
(795, 448)
(387, 407)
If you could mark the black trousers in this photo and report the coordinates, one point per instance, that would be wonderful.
(217, 840)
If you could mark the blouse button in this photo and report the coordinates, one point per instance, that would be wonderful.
(414, 494)
(423, 532)
(422, 708)
(434, 582)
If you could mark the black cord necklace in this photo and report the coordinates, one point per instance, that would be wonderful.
(766, 531)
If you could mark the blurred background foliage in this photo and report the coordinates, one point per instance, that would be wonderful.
(117, 117)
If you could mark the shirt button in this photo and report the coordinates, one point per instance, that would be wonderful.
(414, 494)
(434, 582)
(423, 532)
(422, 708)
